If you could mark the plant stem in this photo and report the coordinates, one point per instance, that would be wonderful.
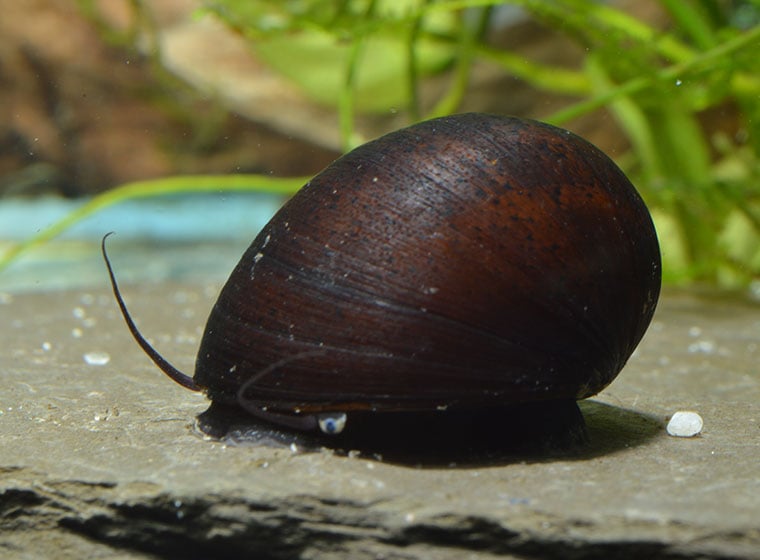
(671, 73)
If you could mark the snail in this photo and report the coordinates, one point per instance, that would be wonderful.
(464, 263)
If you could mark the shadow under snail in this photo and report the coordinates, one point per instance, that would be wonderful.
(464, 263)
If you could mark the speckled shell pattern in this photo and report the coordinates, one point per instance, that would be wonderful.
(471, 260)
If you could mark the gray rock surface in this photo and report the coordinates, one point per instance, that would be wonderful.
(99, 458)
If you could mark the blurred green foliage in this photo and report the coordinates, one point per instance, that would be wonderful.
(701, 183)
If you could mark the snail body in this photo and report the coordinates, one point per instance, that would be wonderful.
(463, 262)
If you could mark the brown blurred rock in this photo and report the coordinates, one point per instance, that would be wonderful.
(80, 113)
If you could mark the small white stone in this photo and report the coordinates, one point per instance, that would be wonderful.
(685, 424)
(97, 358)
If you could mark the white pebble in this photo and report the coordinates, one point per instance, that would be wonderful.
(685, 424)
(97, 358)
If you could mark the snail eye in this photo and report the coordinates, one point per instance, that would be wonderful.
(331, 423)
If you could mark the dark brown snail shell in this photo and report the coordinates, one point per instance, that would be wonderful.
(464, 262)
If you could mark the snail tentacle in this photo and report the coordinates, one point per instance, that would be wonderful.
(163, 364)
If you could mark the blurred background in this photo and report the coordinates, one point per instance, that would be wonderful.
(182, 125)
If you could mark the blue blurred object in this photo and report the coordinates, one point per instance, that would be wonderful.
(176, 218)
(194, 238)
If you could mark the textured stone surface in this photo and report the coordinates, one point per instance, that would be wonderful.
(101, 461)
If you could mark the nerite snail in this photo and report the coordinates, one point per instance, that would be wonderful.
(464, 262)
